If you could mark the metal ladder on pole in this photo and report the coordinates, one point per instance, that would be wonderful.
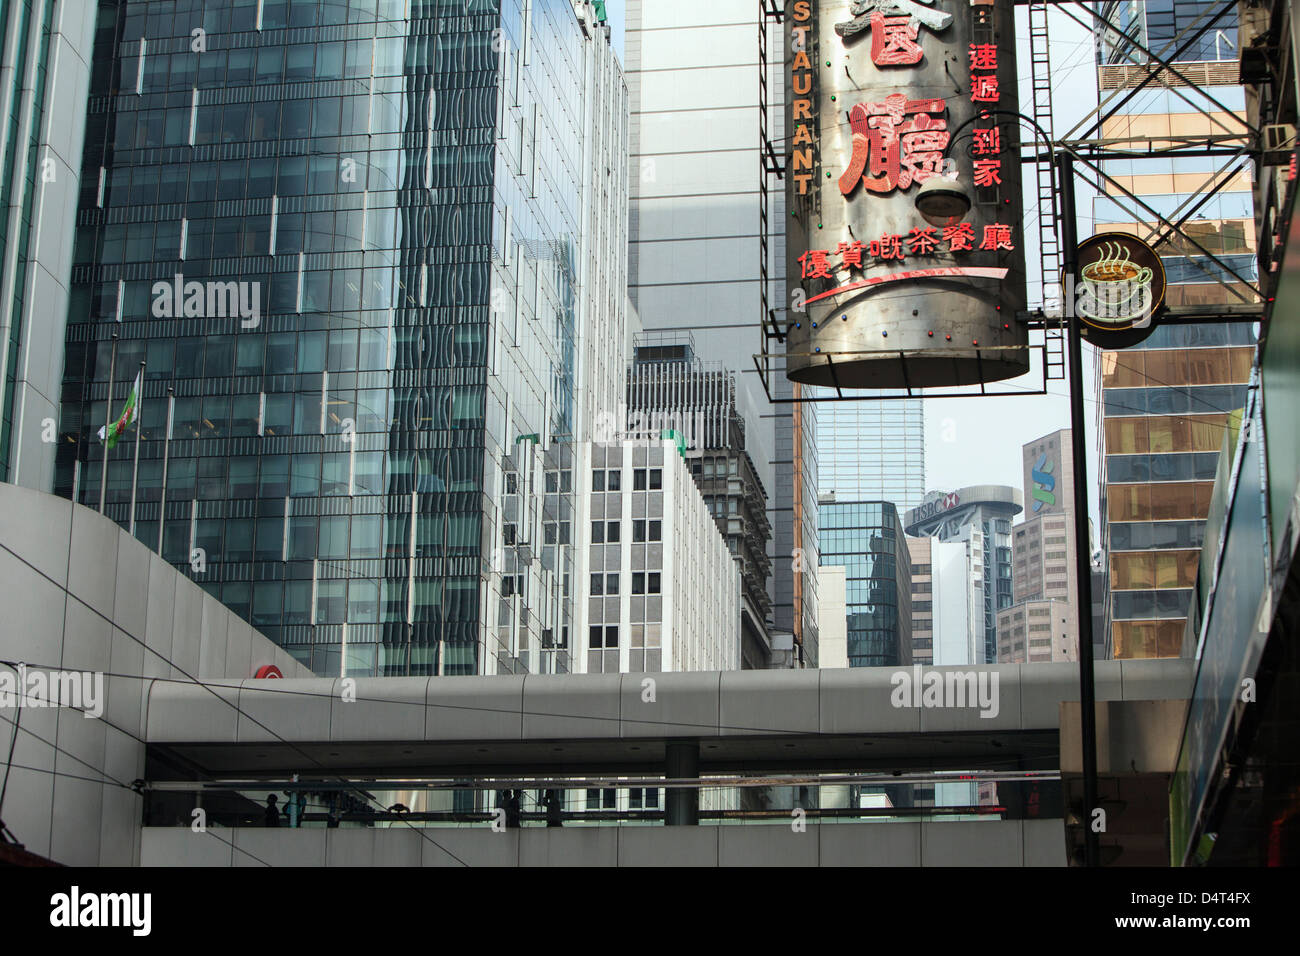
(1049, 246)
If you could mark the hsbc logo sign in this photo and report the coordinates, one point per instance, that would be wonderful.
(935, 506)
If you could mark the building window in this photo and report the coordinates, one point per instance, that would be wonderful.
(656, 479)
(652, 582)
(638, 582)
(638, 479)
(614, 481)
(597, 481)
(508, 534)
(611, 583)
(598, 532)
(612, 532)
(597, 584)
(656, 531)
(611, 636)
(638, 530)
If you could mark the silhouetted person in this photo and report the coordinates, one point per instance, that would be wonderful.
(554, 803)
(271, 815)
(513, 810)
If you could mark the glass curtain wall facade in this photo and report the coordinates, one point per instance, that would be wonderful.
(1165, 403)
(872, 450)
(393, 189)
(866, 539)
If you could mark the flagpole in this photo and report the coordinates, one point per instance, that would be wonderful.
(167, 445)
(138, 415)
(108, 420)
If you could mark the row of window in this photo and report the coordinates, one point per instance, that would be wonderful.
(609, 532)
(643, 479)
(643, 582)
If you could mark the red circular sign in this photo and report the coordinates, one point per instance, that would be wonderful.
(267, 671)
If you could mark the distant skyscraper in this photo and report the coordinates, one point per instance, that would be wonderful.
(1042, 624)
(866, 539)
(872, 450)
(421, 218)
(696, 164)
(978, 517)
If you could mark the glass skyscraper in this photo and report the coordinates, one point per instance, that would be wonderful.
(368, 458)
(866, 538)
(1166, 402)
(872, 450)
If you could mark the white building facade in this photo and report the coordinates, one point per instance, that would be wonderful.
(656, 587)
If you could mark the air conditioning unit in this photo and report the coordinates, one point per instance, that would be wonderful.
(1277, 144)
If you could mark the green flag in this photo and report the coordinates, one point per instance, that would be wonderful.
(129, 414)
(600, 10)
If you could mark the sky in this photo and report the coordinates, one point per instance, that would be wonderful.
(972, 441)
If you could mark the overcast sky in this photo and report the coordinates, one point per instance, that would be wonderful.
(972, 441)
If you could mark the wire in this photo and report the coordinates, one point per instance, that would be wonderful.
(219, 697)
(13, 740)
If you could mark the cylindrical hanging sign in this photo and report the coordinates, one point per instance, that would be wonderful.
(905, 229)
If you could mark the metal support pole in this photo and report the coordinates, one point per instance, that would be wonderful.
(682, 804)
(1082, 540)
(108, 424)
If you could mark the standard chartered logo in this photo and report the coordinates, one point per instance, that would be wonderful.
(1044, 483)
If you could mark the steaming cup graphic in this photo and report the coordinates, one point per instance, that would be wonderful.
(1115, 289)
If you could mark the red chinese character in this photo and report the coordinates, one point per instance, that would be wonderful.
(893, 41)
(960, 238)
(984, 89)
(895, 143)
(888, 246)
(988, 142)
(815, 265)
(988, 172)
(983, 56)
(997, 236)
(851, 253)
(923, 241)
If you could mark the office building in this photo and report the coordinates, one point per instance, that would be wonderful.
(1165, 402)
(374, 252)
(978, 518)
(657, 587)
(44, 77)
(872, 450)
(919, 553)
(697, 239)
(671, 393)
(1042, 624)
(866, 539)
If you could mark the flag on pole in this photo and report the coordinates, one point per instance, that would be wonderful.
(600, 11)
(129, 413)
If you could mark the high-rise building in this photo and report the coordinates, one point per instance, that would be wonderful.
(1166, 401)
(979, 518)
(45, 66)
(1044, 577)
(658, 589)
(374, 254)
(919, 553)
(696, 239)
(671, 392)
(872, 450)
(866, 539)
